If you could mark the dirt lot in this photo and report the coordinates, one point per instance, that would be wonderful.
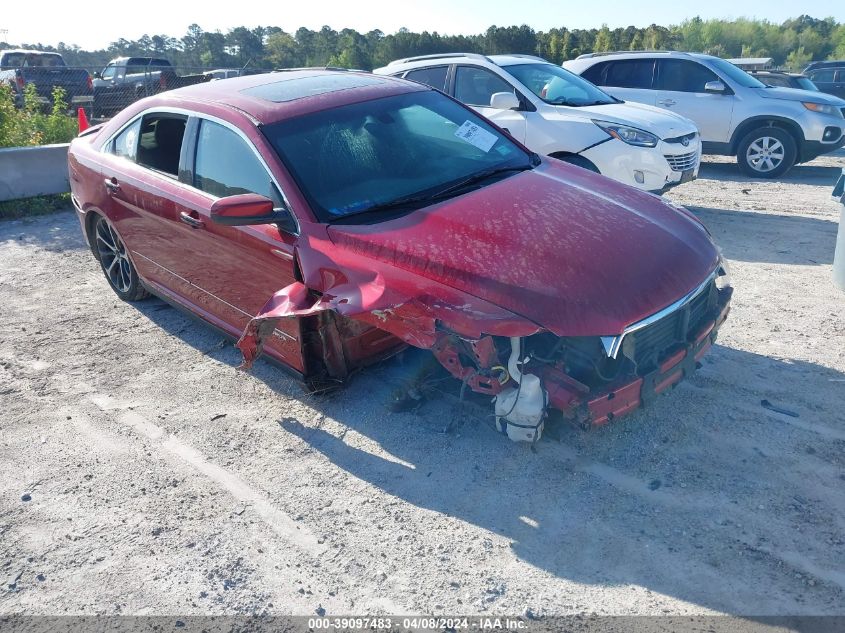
(163, 481)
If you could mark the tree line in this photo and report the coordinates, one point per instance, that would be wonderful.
(792, 44)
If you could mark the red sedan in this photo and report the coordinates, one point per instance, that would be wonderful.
(330, 218)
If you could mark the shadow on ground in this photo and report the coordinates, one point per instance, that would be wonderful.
(56, 232)
(698, 497)
(807, 174)
(750, 236)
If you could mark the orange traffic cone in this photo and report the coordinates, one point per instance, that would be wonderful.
(83, 120)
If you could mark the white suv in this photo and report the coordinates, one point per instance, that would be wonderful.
(767, 129)
(558, 114)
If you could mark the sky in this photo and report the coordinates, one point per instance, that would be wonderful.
(93, 25)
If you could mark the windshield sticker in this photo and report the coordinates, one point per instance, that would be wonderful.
(475, 135)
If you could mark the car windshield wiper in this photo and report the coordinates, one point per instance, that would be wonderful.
(409, 201)
(483, 175)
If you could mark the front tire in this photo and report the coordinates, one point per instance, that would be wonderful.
(115, 262)
(766, 152)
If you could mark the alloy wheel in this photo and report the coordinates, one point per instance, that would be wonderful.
(765, 154)
(113, 257)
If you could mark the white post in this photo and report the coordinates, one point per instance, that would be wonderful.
(839, 253)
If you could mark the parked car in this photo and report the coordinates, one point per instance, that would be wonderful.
(222, 73)
(781, 79)
(46, 71)
(330, 218)
(767, 129)
(828, 76)
(558, 114)
(126, 79)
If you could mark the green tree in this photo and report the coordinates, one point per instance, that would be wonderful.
(604, 40)
(798, 59)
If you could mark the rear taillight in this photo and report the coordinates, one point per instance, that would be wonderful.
(162, 81)
(90, 83)
(20, 81)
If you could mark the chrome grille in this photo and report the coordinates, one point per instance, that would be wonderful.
(652, 343)
(681, 162)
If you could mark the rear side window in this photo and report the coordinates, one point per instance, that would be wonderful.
(475, 86)
(227, 166)
(160, 142)
(125, 144)
(630, 73)
(823, 76)
(773, 80)
(679, 75)
(595, 74)
(434, 77)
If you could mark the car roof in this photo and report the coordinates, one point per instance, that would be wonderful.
(636, 54)
(438, 59)
(272, 97)
(776, 72)
(27, 51)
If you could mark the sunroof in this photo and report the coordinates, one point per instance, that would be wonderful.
(290, 89)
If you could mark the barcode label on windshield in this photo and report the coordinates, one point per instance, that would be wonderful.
(477, 136)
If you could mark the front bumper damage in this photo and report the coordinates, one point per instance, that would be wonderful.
(526, 369)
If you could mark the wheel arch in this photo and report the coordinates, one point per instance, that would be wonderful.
(566, 156)
(783, 123)
(89, 220)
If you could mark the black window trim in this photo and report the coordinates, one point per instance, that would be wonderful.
(404, 74)
(192, 142)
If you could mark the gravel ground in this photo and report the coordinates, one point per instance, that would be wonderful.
(143, 474)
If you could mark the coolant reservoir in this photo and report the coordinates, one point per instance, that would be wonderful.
(521, 411)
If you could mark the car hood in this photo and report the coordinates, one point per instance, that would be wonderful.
(572, 251)
(795, 94)
(649, 118)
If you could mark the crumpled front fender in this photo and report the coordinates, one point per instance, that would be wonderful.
(410, 307)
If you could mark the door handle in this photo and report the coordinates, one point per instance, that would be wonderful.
(190, 220)
(112, 185)
(667, 102)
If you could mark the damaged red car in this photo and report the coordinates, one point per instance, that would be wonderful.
(331, 218)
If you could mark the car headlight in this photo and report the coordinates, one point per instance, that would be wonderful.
(628, 134)
(822, 108)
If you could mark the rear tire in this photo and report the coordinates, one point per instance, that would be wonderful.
(767, 152)
(115, 262)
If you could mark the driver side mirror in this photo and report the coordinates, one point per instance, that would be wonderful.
(248, 209)
(98, 74)
(504, 101)
(715, 87)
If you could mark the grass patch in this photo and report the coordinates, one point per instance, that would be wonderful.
(40, 205)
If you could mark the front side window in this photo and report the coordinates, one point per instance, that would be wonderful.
(557, 86)
(735, 73)
(474, 86)
(227, 166)
(396, 150)
(630, 73)
(678, 75)
(434, 77)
